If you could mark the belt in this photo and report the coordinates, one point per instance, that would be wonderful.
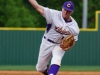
(49, 40)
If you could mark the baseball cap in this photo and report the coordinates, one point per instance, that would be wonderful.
(68, 5)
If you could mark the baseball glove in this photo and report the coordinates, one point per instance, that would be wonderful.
(67, 43)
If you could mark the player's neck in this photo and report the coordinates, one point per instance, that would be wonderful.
(68, 19)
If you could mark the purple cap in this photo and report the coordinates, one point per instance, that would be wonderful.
(68, 5)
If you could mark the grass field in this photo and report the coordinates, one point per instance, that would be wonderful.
(64, 70)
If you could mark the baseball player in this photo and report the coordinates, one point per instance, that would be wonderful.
(60, 24)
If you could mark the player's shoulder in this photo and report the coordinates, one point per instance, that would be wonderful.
(55, 12)
(74, 26)
(74, 21)
(52, 11)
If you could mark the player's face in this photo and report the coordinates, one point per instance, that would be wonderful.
(66, 13)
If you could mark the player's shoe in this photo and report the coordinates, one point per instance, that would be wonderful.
(46, 71)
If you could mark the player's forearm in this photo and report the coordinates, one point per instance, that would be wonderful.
(38, 7)
(34, 3)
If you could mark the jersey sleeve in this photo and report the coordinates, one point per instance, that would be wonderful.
(74, 29)
(48, 15)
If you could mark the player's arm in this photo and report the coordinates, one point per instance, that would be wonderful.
(38, 7)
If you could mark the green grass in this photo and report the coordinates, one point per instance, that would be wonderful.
(10, 67)
(63, 68)
(80, 68)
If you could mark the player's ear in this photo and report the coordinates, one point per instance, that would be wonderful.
(62, 9)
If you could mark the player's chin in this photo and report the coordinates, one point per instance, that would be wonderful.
(64, 16)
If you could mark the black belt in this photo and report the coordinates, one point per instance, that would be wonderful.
(49, 40)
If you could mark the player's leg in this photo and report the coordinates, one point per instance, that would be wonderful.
(43, 60)
(56, 60)
(46, 71)
(45, 54)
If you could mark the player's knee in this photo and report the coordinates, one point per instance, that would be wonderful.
(56, 60)
(39, 69)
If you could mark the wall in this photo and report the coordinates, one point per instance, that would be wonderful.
(21, 47)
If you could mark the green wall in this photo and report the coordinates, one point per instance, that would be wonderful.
(86, 51)
(20, 47)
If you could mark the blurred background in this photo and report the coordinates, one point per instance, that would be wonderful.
(21, 14)
(21, 47)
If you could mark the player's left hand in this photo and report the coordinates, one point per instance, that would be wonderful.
(67, 43)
